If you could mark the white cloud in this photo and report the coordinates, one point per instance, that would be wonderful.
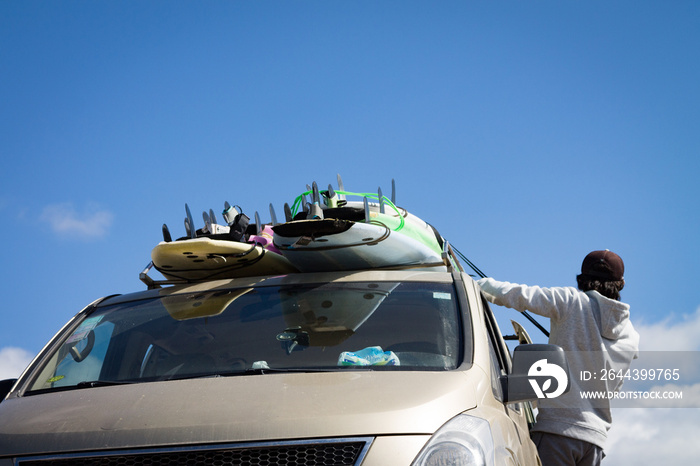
(671, 334)
(65, 220)
(660, 435)
(690, 395)
(653, 436)
(13, 361)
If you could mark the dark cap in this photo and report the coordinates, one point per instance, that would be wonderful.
(604, 264)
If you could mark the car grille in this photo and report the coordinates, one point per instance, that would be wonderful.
(345, 452)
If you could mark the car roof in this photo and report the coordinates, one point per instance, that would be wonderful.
(286, 280)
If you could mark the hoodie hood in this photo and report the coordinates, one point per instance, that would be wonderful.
(614, 315)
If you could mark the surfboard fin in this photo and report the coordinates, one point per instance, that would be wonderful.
(315, 211)
(366, 204)
(167, 237)
(331, 199)
(207, 222)
(211, 226)
(273, 215)
(381, 200)
(304, 204)
(189, 223)
(393, 191)
(341, 197)
(258, 226)
(287, 213)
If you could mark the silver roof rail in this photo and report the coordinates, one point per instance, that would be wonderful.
(155, 284)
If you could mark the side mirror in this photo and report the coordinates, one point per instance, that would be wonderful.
(539, 371)
(5, 387)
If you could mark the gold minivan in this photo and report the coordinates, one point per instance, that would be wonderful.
(371, 368)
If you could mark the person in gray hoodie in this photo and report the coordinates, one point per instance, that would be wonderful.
(592, 325)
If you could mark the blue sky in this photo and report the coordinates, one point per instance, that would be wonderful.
(527, 133)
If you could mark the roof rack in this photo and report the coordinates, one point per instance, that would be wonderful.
(155, 284)
(449, 260)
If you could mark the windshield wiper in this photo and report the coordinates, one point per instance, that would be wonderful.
(261, 371)
(288, 370)
(80, 385)
(102, 383)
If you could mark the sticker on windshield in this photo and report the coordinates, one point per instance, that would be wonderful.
(441, 295)
(81, 332)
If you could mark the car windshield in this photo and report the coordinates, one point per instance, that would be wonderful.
(330, 326)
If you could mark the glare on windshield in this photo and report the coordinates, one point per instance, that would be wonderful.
(334, 326)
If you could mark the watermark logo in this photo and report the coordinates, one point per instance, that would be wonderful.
(540, 376)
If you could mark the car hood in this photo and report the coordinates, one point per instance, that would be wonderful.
(234, 409)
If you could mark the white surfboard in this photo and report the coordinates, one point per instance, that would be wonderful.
(320, 245)
(205, 258)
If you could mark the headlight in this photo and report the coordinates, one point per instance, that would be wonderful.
(464, 440)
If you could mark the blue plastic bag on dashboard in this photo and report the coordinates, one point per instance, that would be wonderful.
(372, 356)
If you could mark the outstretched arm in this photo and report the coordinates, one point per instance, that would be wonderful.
(547, 302)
